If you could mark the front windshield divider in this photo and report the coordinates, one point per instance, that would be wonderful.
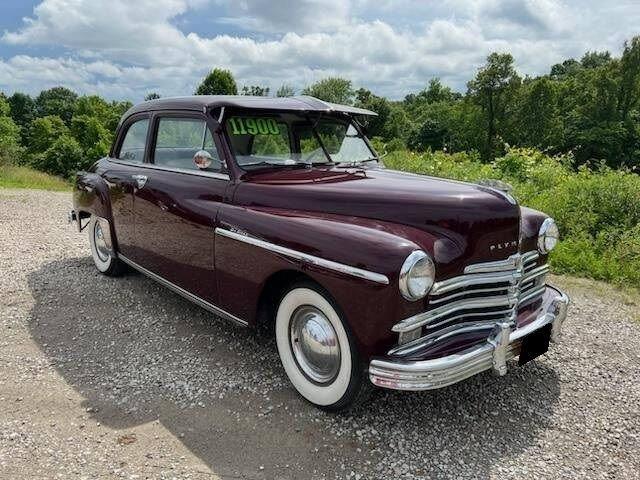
(314, 129)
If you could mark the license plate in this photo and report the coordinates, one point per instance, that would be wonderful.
(535, 344)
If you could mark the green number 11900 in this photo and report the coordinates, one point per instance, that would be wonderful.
(253, 126)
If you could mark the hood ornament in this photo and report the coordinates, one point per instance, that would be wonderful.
(498, 186)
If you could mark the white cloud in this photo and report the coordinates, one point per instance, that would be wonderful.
(297, 16)
(125, 48)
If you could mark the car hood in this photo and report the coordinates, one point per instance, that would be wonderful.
(471, 223)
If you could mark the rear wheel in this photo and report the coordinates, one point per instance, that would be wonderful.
(317, 350)
(104, 257)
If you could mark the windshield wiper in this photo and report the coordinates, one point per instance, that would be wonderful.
(274, 164)
(355, 163)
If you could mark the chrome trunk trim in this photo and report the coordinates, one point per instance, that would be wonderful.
(305, 257)
(181, 291)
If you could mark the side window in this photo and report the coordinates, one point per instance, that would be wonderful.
(132, 149)
(179, 139)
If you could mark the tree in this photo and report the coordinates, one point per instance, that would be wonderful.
(151, 96)
(595, 59)
(256, 91)
(23, 109)
(428, 136)
(380, 105)
(629, 90)
(536, 122)
(332, 89)
(218, 82)
(285, 91)
(492, 88)
(9, 134)
(437, 92)
(63, 157)
(58, 101)
(91, 135)
(44, 131)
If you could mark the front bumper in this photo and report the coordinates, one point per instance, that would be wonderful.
(503, 345)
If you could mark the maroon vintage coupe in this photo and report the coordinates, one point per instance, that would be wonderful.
(278, 212)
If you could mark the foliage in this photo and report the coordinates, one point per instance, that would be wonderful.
(493, 89)
(58, 101)
(255, 90)
(9, 135)
(597, 209)
(218, 82)
(63, 158)
(23, 109)
(44, 131)
(14, 176)
(285, 91)
(151, 96)
(366, 99)
(332, 89)
(91, 135)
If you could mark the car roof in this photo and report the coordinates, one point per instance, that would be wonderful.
(301, 103)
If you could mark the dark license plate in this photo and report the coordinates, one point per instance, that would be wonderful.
(535, 344)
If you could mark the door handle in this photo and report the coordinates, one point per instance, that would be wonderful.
(140, 180)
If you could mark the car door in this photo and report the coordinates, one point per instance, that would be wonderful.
(175, 211)
(125, 169)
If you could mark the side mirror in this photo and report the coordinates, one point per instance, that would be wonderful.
(202, 159)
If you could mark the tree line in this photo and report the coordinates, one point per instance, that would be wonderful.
(588, 108)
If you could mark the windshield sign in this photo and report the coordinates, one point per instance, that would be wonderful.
(289, 139)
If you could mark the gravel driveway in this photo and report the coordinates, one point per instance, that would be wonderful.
(104, 378)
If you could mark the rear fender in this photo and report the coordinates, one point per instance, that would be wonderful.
(91, 197)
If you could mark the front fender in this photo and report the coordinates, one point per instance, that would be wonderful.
(370, 307)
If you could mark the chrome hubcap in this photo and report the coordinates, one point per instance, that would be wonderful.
(315, 344)
(101, 246)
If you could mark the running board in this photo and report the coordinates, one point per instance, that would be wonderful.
(181, 291)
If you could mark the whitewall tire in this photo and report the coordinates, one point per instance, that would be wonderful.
(104, 257)
(316, 349)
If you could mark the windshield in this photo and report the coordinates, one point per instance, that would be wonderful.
(283, 139)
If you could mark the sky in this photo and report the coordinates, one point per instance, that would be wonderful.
(124, 49)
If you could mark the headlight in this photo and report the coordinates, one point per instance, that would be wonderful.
(417, 275)
(548, 236)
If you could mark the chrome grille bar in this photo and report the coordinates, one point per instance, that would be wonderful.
(486, 294)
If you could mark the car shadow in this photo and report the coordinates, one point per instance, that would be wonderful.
(139, 353)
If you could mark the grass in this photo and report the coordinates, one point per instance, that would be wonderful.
(13, 176)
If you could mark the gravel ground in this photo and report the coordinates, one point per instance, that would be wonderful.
(120, 378)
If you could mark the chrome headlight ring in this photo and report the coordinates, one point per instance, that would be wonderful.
(417, 275)
(548, 236)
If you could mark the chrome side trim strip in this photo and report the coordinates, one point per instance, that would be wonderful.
(305, 257)
(181, 291)
(151, 166)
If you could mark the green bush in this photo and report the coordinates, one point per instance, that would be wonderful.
(63, 158)
(597, 209)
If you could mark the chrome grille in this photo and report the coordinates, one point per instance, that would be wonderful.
(487, 293)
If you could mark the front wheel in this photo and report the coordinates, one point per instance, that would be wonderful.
(317, 350)
(104, 257)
